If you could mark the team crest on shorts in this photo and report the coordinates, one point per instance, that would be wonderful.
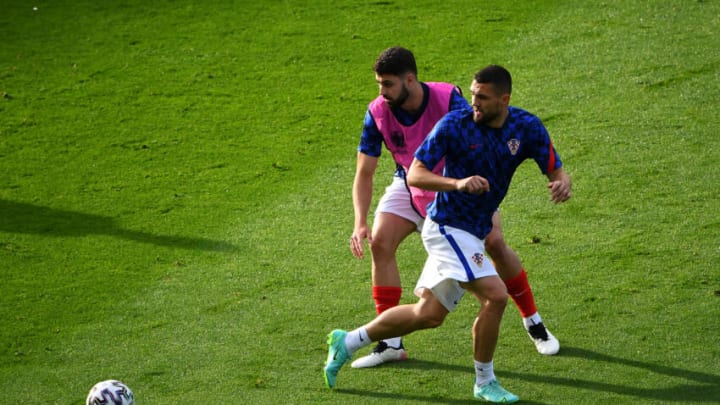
(514, 145)
(478, 259)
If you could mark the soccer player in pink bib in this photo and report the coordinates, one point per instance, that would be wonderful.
(400, 118)
(480, 148)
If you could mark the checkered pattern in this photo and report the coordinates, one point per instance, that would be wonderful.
(472, 149)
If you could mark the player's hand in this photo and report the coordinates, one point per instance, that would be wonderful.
(357, 241)
(560, 190)
(473, 184)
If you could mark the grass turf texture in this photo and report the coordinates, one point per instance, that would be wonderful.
(175, 198)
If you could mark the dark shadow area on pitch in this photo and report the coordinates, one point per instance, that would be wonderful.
(703, 388)
(391, 397)
(468, 372)
(683, 386)
(703, 378)
(17, 217)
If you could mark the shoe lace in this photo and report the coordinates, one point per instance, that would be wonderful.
(491, 387)
(494, 386)
(381, 346)
(496, 390)
(538, 331)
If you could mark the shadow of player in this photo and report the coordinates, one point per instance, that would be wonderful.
(17, 217)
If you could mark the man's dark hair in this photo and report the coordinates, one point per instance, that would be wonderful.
(395, 61)
(496, 75)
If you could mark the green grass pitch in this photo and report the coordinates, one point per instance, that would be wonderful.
(175, 202)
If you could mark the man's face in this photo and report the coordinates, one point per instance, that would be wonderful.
(392, 89)
(488, 105)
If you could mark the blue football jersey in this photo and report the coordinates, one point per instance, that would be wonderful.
(493, 153)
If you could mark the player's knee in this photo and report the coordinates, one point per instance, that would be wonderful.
(497, 299)
(431, 321)
(494, 244)
(429, 318)
(382, 248)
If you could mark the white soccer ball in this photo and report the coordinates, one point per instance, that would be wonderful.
(110, 392)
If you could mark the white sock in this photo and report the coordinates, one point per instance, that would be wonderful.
(531, 320)
(484, 373)
(356, 339)
(395, 343)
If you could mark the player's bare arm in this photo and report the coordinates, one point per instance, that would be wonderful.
(560, 186)
(422, 177)
(362, 197)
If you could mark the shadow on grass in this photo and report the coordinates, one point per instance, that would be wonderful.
(391, 397)
(704, 387)
(466, 397)
(17, 217)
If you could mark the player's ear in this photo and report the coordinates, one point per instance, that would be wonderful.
(505, 98)
(410, 78)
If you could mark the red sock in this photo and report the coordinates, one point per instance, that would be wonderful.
(520, 291)
(386, 297)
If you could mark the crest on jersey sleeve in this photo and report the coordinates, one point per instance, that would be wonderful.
(514, 145)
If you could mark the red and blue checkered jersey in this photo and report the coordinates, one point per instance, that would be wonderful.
(493, 153)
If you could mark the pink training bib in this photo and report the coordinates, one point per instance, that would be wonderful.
(402, 141)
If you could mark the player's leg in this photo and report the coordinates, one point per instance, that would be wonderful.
(400, 320)
(389, 230)
(459, 262)
(513, 274)
(394, 220)
(492, 295)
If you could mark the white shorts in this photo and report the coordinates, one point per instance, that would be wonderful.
(454, 256)
(397, 201)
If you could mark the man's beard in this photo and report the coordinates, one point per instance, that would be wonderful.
(486, 117)
(400, 99)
